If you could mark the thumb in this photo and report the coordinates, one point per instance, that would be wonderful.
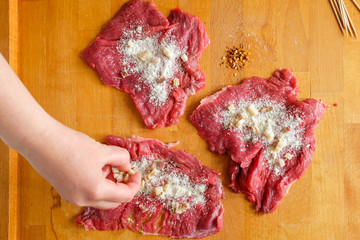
(121, 192)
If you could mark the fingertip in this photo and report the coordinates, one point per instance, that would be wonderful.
(134, 182)
(106, 170)
(129, 190)
(104, 205)
(121, 192)
(133, 185)
(136, 178)
(123, 167)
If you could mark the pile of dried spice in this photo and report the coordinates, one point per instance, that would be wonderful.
(235, 57)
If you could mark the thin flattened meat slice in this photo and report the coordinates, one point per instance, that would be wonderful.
(179, 197)
(154, 59)
(267, 132)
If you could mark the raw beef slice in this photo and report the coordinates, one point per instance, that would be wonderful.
(154, 59)
(268, 133)
(179, 197)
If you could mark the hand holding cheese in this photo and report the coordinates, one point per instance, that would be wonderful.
(72, 162)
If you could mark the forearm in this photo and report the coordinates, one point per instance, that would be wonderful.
(24, 125)
(72, 162)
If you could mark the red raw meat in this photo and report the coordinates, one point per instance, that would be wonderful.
(148, 213)
(109, 60)
(254, 171)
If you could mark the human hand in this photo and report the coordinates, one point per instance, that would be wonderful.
(77, 166)
(72, 162)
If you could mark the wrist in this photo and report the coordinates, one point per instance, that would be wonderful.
(44, 140)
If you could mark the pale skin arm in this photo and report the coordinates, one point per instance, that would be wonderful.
(72, 162)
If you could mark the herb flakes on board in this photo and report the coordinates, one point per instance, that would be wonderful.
(235, 57)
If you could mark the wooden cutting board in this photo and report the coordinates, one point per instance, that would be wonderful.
(47, 37)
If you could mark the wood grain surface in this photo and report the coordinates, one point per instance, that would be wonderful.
(4, 150)
(301, 35)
